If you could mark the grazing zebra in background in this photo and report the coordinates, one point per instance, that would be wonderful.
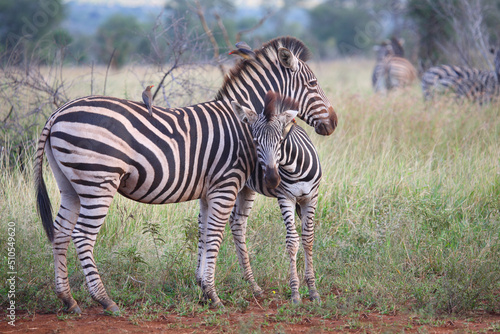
(97, 146)
(463, 82)
(392, 70)
(289, 169)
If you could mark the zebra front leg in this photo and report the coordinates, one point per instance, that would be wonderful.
(292, 245)
(238, 223)
(92, 213)
(306, 213)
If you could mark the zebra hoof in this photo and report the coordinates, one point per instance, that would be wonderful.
(75, 309)
(314, 296)
(296, 300)
(112, 309)
(258, 292)
(217, 305)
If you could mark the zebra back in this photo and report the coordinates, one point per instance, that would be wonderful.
(392, 70)
(464, 82)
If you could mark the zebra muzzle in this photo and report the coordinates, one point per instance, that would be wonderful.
(272, 177)
(327, 125)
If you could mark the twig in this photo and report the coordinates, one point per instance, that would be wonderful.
(135, 280)
(223, 29)
(258, 24)
(210, 35)
(8, 115)
(163, 79)
(256, 301)
(92, 79)
(107, 69)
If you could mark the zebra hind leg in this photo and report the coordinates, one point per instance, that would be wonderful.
(238, 223)
(92, 213)
(63, 228)
(64, 224)
(292, 245)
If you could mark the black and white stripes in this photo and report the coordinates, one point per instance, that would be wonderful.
(98, 146)
(392, 70)
(463, 82)
(288, 168)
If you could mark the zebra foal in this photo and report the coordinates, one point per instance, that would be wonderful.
(98, 146)
(464, 82)
(288, 169)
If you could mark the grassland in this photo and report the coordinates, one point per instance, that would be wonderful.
(408, 218)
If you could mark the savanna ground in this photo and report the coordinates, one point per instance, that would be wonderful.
(407, 230)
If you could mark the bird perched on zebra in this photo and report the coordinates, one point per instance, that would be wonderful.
(98, 146)
(243, 50)
(147, 98)
(463, 82)
(392, 70)
(288, 169)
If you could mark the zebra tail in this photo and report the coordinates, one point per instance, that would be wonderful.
(44, 207)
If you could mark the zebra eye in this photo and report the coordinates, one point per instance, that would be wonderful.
(313, 82)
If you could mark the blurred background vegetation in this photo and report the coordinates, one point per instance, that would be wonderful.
(89, 31)
(52, 51)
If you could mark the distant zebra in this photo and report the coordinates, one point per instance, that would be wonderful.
(463, 82)
(97, 146)
(392, 70)
(289, 169)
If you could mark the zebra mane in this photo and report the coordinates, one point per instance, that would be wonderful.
(268, 50)
(275, 103)
(296, 46)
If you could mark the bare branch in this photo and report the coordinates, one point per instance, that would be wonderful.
(257, 25)
(107, 69)
(223, 29)
(466, 17)
(210, 35)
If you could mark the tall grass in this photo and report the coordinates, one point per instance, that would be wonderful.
(408, 218)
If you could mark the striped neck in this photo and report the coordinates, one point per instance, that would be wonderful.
(250, 79)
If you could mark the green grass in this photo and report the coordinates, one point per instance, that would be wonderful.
(408, 219)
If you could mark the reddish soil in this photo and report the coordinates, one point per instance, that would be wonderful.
(254, 319)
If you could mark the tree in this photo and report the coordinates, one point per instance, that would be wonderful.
(27, 21)
(338, 24)
(455, 31)
(118, 37)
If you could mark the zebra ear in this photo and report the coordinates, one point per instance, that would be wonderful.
(287, 116)
(246, 115)
(288, 59)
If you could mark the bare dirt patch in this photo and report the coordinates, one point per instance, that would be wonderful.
(253, 319)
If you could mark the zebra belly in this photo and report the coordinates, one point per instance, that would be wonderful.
(296, 190)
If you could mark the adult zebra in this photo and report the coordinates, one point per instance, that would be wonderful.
(392, 70)
(98, 146)
(464, 82)
(289, 171)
